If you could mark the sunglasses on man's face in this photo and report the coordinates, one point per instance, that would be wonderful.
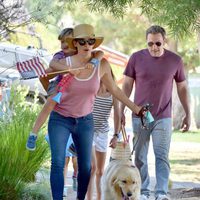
(82, 42)
(150, 44)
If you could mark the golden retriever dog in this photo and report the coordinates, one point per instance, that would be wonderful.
(121, 181)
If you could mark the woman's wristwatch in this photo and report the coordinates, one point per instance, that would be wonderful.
(116, 135)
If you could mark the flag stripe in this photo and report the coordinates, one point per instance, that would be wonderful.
(22, 67)
(18, 67)
(38, 66)
(33, 67)
(41, 65)
(25, 66)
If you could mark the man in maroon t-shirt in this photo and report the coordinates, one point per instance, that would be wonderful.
(153, 70)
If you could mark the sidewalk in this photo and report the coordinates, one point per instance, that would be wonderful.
(186, 190)
(179, 190)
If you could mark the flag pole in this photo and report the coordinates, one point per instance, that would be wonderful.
(64, 71)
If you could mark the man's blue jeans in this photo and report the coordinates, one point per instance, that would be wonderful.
(160, 130)
(59, 129)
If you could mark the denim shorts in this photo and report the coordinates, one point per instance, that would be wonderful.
(52, 87)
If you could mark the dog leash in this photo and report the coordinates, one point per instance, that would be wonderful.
(148, 118)
(126, 140)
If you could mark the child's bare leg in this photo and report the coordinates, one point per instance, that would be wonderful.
(75, 166)
(42, 117)
(74, 177)
(91, 183)
(67, 159)
(100, 162)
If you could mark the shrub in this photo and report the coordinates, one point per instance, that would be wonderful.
(18, 165)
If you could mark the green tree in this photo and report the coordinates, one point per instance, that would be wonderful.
(123, 34)
(182, 17)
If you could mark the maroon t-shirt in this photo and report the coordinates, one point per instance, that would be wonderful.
(153, 78)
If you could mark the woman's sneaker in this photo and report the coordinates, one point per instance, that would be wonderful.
(162, 197)
(144, 197)
(31, 142)
(65, 191)
(74, 185)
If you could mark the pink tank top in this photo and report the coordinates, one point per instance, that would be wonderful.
(78, 99)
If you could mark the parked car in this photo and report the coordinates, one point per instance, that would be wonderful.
(10, 54)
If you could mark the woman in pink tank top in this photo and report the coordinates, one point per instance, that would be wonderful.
(73, 115)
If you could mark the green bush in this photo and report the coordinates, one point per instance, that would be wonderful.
(18, 166)
(36, 191)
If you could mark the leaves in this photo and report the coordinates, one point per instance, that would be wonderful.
(17, 165)
(181, 17)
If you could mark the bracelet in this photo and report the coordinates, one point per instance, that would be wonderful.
(95, 62)
(116, 135)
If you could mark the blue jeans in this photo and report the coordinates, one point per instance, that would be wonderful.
(160, 130)
(59, 129)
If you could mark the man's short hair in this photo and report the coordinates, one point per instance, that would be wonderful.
(156, 29)
(65, 32)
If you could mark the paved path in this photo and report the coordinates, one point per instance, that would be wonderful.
(180, 190)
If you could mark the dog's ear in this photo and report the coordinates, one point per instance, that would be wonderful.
(114, 180)
(116, 187)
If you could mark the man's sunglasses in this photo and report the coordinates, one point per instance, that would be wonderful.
(150, 44)
(82, 42)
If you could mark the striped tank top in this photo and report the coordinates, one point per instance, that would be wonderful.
(101, 113)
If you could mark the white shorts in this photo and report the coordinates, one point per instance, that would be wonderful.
(100, 142)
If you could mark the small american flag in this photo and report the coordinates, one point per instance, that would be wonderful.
(31, 68)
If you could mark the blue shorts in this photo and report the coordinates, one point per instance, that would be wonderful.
(52, 87)
(70, 141)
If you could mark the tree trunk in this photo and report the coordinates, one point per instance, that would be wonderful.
(177, 110)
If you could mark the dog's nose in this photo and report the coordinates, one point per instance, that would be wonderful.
(129, 194)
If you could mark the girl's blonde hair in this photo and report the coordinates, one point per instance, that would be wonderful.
(65, 32)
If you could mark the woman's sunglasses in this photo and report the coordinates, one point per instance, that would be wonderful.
(150, 44)
(82, 42)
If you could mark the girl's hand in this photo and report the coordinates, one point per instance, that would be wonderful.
(89, 65)
(94, 62)
(113, 142)
(75, 72)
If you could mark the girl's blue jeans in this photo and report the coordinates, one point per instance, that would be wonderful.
(59, 129)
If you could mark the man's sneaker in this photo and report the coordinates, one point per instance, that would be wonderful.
(65, 191)
(31, 142)
(144, 197)
(72, 149)
(162, 197)
(74, 185)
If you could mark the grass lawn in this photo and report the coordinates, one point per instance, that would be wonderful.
(184, 157)
(178, 136)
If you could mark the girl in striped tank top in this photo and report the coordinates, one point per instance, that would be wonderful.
(103, 104)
